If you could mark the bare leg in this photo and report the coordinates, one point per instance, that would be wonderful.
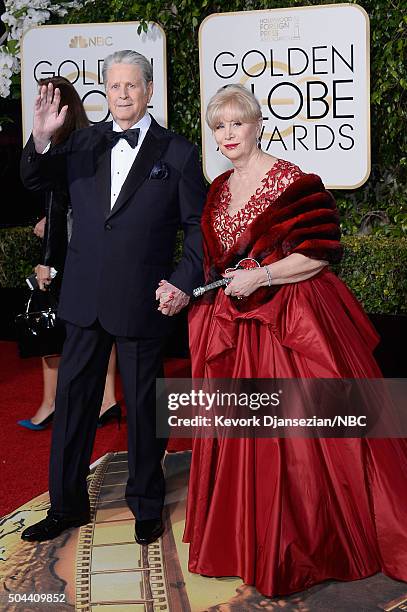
(109, 397)
(50, 366)
(50, 375)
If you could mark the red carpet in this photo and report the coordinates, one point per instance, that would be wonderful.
(24, 454)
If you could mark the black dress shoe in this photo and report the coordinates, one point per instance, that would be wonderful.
(111, 414)
(147, 532)
(51, 527)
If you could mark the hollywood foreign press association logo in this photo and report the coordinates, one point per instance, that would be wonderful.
(279, 28)
(82, 42)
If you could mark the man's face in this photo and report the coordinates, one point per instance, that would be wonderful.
(127, 95)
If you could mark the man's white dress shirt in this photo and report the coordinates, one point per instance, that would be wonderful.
(123, 156)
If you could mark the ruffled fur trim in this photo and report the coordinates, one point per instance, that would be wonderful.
(303, 219)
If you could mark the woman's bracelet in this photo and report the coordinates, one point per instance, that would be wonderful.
(269, 277)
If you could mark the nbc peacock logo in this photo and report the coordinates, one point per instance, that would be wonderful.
(78, 42)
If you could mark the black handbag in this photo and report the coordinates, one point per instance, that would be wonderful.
(39, 331)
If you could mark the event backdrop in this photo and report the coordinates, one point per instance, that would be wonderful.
(309, 68)
(76, 51)
(379, 205)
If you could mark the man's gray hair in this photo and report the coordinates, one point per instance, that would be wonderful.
(128, 57)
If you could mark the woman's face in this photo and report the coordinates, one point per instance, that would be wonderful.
(235, 139)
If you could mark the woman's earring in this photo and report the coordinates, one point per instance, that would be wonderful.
(258, 142)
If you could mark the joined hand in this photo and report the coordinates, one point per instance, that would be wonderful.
(172, 299)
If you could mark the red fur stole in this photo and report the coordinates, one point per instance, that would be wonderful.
(303, 219)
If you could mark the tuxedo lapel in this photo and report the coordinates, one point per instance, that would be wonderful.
(103, 171)
(152, 148)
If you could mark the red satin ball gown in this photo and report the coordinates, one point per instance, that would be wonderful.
(285, 514)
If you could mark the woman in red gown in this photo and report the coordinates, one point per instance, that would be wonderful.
(284, 514)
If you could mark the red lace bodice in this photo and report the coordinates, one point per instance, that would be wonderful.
(230, 227)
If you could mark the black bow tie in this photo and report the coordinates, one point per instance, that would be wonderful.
(131, 136)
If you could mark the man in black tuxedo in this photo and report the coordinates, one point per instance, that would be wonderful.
(132, 183)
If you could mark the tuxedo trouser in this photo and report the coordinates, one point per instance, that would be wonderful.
(80, 388)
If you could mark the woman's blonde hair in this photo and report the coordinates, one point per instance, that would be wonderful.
(239, 99)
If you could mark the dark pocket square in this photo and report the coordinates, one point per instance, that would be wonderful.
(159, 171)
